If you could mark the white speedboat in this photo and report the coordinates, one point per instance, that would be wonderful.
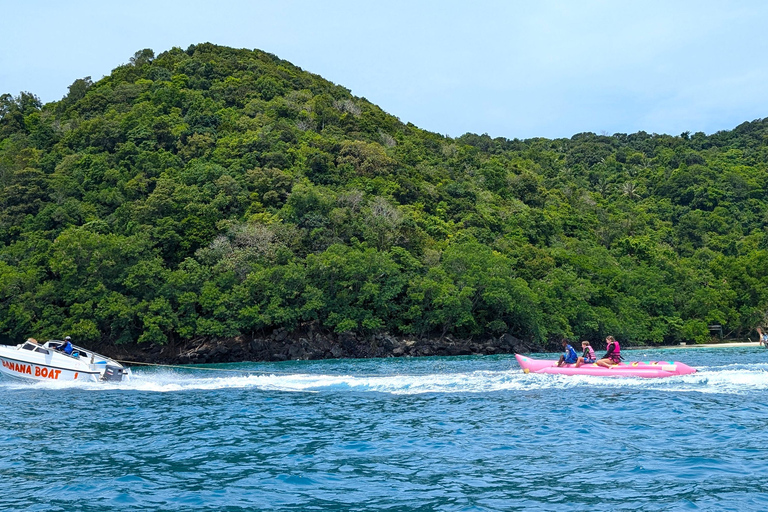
(30, 360)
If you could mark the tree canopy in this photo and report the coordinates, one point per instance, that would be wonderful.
(218, 192)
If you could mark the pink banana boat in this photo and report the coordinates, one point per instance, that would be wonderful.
(647, 369)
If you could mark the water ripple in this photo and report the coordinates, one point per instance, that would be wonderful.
(429, 434)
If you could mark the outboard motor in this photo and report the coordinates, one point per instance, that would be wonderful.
(113, 374)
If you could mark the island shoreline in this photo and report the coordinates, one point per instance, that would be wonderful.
(282, 346)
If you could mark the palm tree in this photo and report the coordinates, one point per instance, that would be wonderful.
(603, 186)
(629, 189)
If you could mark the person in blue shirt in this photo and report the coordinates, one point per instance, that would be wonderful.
(569, 355)
(66, 347)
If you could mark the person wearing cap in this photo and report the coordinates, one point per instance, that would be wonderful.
(66, 347)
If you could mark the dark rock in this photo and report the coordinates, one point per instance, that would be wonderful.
(387, 343)
(348, 341)
(296, 352)
(511, 344)
(314, 343)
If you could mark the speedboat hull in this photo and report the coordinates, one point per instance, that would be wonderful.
(31, 361)
(645, 369)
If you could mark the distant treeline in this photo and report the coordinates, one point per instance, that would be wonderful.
(215, 192)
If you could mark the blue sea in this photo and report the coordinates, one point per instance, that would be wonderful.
(421, 434)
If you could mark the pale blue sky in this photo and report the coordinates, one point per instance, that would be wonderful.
(507, 68)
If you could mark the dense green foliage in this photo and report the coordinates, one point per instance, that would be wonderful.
(220, 192)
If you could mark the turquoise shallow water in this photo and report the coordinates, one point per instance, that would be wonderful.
(444, 434)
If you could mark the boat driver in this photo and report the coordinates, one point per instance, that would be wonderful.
(66, 347)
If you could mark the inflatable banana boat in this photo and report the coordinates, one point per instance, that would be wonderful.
(647, 369)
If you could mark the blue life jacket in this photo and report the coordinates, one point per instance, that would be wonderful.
(66, 347)
(570, 354)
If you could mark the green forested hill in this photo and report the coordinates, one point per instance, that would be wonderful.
(216, 192)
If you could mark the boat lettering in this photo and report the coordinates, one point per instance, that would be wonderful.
(27, 369)
(46, 373)
(16, 367)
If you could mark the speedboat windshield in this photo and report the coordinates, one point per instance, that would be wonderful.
(34, 347)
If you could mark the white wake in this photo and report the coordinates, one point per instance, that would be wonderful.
(722, 379)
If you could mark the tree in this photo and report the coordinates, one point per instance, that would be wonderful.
(78, 89)
(142, 57)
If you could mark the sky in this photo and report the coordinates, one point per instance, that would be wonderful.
(514, 69)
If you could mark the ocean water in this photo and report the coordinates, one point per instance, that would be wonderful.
(424, 434)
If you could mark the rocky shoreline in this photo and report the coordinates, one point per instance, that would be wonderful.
(284, 346)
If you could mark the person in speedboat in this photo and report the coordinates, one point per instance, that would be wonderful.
(66, 347)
